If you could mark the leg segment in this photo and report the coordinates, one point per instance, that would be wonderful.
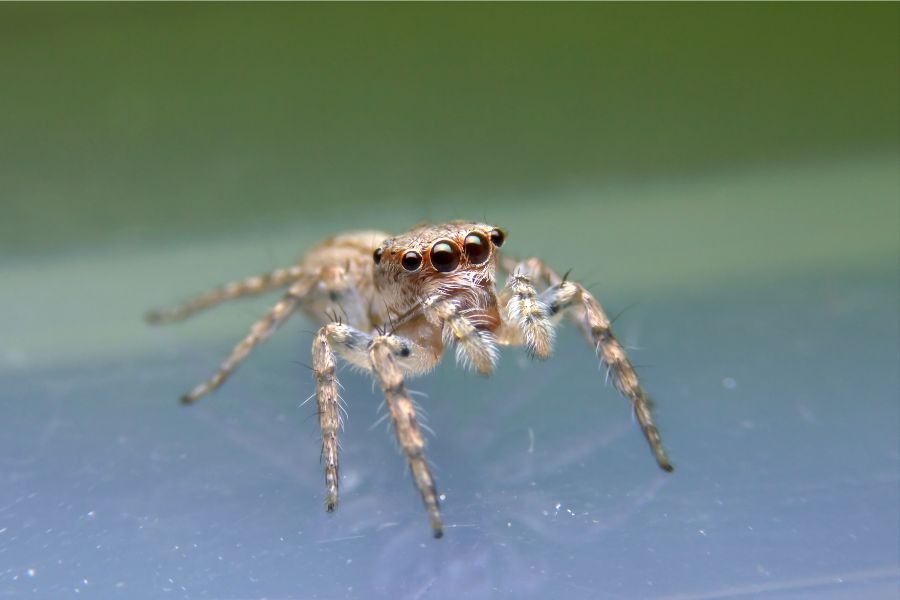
(353, 345)
(251, 286)
(572, 299)
(329, 412)
(536, 269)
(529, 315)
(473, 346)
(380, 354)
(261, 330)
(403, 414)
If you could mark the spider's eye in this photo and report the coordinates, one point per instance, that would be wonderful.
(498, 236)
(377, 255)
(477, 248)
(411, 261)
(444, 256)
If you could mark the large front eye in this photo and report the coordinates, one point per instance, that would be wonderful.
(477, 248)
(498, 236)
(411, 261)
(444, 256)
(377, 255)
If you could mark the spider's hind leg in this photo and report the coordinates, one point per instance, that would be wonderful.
(251, 286)
(261, 330)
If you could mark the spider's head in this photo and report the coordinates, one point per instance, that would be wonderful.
(455, 256)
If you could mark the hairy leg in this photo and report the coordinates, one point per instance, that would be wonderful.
(403, 414)
(536, 270)
(329, 412)
(566, 298)
(353, 345)
(473, 346)
(261, 330)
(573, 300)
(528, 316)
(382, 354)
(252, 286)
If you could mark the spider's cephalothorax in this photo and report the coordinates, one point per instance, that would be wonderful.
(391, 305)
(435, 284)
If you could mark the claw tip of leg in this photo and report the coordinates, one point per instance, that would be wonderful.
(186, 399)
(438, 534)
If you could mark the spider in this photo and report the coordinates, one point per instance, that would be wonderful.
(390, 305)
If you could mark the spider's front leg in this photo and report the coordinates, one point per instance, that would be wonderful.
(380, 354)
(383, 355)
(531, 323)
(572, 299)
(353, 345)
(328, 402)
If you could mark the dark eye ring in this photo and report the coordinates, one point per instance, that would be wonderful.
(498, 236)
(477, 248)
(411, 261)
(377, 255)
(444, 256)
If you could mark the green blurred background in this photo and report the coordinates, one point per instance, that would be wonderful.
(149, 151)
(141, 122)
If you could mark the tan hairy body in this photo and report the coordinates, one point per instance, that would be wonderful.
(392, 304)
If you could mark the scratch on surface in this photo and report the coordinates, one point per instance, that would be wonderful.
(340, 539)
(530, 440)
(420, 593)
(801, 583)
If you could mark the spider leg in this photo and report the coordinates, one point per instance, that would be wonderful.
(535, 268)
(528, 315)
(573, 300)
(352, 344)
(252, 286)
(383, 355)
(261, 330)
(403, 413)
(473, 345)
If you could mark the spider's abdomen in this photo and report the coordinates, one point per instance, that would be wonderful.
(344, 268)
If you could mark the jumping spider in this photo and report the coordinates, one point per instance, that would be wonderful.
(390, 305)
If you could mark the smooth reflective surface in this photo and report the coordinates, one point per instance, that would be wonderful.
(776, 393)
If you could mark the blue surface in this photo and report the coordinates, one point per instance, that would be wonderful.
(777, 399)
